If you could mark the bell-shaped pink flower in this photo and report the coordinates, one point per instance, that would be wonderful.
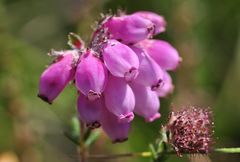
(167, 86)
(147, 102)
(89, 111)
(119, 99)
(120, 60)
(162, 52)
(130, 28)
(150, 73)
(157, 20)
(117, 131)
(54, 79)
(91, 75)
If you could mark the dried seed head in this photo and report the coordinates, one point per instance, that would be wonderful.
(190, 130)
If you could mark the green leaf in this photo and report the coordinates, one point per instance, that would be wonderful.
(92, 137)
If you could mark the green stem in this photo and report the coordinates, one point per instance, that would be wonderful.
(81, 142)
(114, 156)
(234, 150)
(149, 154)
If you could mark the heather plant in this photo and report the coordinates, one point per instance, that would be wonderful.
(121, 72)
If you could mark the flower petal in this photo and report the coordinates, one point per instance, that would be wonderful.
(150, 73)
(119, 99)
(89, 111)
(120, 60)
(55, 78)
(157, 20)
(130, 28)
(91, 76)
(117, 131)
(147, 102)
(167, 87)
(162, 52)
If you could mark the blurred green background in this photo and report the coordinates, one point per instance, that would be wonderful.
(206, 34)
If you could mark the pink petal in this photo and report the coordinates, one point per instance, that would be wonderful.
(157, 20)
(150, 73)
(167, 87)
(55, 78)
(91, 76)
(130, 28)
(162, 52)
(119, 99)
(147, 102)
(89, 111)
(117, 131)
(120, 60)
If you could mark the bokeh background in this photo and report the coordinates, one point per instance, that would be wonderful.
(206, 34)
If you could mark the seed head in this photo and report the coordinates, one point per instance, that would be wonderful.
(190, 130)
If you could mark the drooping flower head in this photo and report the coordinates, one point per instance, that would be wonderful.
(190, 130)
(122, 72)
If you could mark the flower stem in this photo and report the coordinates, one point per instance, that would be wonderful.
(81, 142)
(149, 154)
(114, 156)
(234, 150)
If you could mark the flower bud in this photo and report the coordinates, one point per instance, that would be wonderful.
(54, 79)
(157, 20)
(130, 28)
(119, 99)
(162, 52)
(150, 73)
(147, 102)
(91, 76)
(120, 60)
(75, 42)
(167, 87)
(117, 131)
(89, 111)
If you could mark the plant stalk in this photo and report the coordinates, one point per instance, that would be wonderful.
(149, 154)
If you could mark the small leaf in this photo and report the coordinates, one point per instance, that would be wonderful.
(71, 138)
(75, 127)
(159, 147)
(75, 42)
(92, 137)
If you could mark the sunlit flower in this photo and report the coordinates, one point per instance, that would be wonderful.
(123, 71)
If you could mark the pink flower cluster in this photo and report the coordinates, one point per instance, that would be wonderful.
(121, 73)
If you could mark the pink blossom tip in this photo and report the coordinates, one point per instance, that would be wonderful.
(131, 74)
(158, 20)
(154, 117)
(130, 28)
(126, 118)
